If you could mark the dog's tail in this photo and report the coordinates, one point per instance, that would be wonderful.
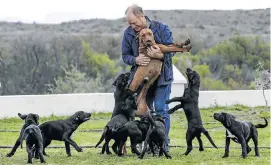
(206, 133)
(152, 122)
(25, 134)
(262, 125)
(102, 137)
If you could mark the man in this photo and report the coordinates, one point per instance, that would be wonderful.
(161, 89)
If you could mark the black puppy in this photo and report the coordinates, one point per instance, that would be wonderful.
(243, 131)
(34, 119)
(120, 94)
(189, 103)
(62, 130)
(155, 135)
(32, 136)
(136, 131)
(31, 133)
(110, 130)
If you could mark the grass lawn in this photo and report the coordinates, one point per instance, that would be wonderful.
(209, 156)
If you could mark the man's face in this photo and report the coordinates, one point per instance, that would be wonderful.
(136, 22)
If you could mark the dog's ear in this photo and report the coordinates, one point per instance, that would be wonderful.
(22, 116)
(114, 83)
(36, 118)
(228, 119)
(127, 74)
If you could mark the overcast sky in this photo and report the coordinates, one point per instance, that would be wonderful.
(56, 11)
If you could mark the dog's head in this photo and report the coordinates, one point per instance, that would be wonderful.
(193, 77)
(122, 80)
(146, 37)
(225, 118)
(80, 117)
(31, 118)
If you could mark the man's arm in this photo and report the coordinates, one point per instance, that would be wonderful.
(127, 52)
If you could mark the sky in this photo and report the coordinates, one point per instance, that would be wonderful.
(57, 11)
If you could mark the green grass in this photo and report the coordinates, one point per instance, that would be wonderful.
(177, 133)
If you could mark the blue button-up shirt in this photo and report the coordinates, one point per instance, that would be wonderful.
(162, 35)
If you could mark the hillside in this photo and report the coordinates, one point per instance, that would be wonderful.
(208, 27)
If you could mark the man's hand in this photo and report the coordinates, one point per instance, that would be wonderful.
(141, 59)
(155, 52)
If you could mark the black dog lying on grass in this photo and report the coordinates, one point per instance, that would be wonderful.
(32, 136)
(189, 103)
(110, 130)
(62, 130)
(155, 136)
(31, 133)
(243, 131)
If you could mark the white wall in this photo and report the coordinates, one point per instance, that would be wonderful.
(66, 104)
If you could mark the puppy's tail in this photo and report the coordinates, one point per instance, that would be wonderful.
(206, 133)
(102, 137)
(262, 125)
(25, 134)
(152, 122)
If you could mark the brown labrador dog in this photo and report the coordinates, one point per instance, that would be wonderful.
(150, 72)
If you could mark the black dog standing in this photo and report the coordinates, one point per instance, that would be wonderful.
(243, 131)
(32, 135)
(62, 130)
(118, 121)
(155, 135)
(189, 103)
(120, 94)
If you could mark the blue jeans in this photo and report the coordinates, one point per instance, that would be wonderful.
(157, 95)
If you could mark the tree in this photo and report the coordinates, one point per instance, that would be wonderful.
(262, 80)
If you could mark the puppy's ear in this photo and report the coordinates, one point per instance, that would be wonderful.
(22, 116)
(229, 119)
(114, 83)
(37, 118)
(127, 74)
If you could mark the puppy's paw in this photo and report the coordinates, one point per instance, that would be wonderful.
(201, 149)
(225, 156)
(140, 157)
(244, 156)
(167, 101)
(109, 153)
(80, 150)
(169, 157)
(171, 111)
(9, 155)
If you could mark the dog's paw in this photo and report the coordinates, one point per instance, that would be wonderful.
(9, 155)
(171, 111)
(169, 157)
(109, 153)
(244, 156)
(120, 155)
(201, 149)
(225, 156)
(167, 101)
(80, 150)
(140, 157)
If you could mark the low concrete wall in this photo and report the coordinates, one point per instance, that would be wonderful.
(66, 104)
